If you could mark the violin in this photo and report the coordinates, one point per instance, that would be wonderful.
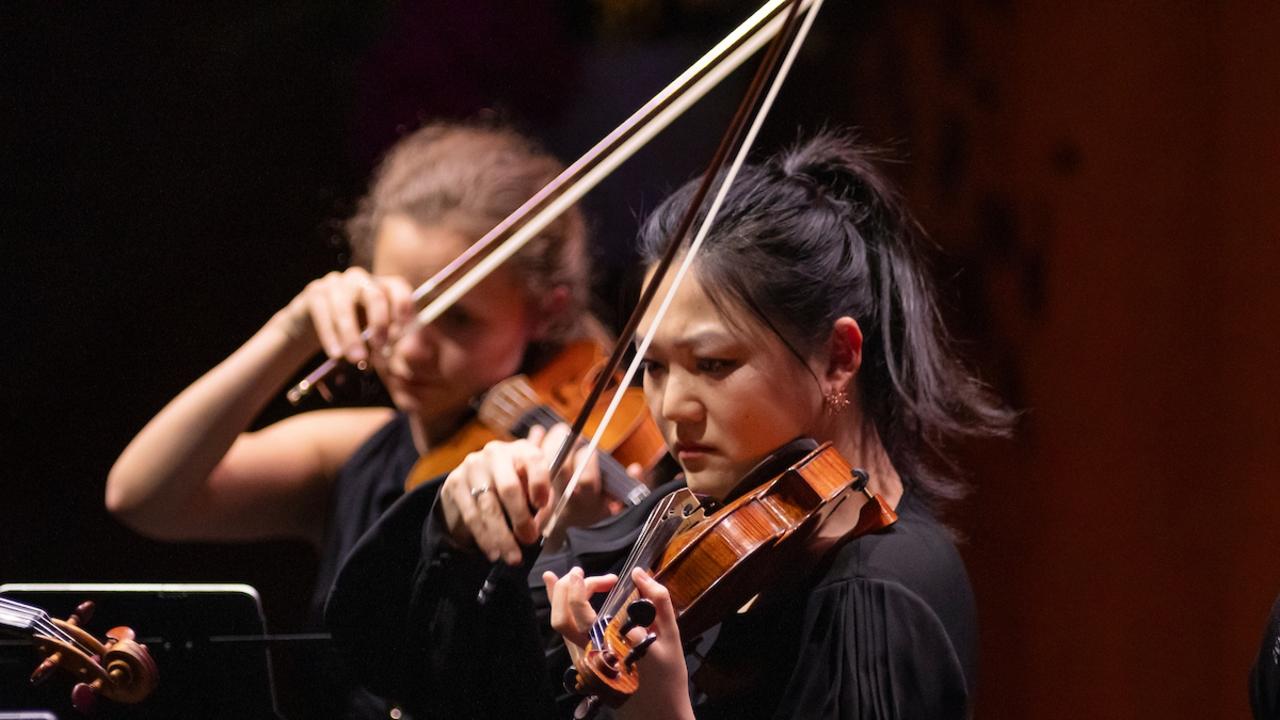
(556, 391)
(117, 668)
(716, 560)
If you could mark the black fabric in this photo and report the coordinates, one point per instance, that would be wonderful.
(370, 481)
(886, 631)
(1264, 678)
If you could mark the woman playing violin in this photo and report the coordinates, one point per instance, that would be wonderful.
(808, 312)
(195, 472)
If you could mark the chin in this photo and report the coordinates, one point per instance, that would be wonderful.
(404, 400)
(409, 402)
(710, 482)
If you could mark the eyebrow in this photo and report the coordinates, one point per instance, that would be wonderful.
(697, 339)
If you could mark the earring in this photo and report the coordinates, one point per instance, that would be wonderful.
(835, 401)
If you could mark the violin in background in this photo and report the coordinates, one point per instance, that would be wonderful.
(118, 668)
(555, 392)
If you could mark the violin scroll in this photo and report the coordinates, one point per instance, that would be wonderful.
(119, 668)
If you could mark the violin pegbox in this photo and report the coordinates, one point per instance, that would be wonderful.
(118, 668)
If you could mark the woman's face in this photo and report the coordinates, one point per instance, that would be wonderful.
(434, 372)
(725, 391)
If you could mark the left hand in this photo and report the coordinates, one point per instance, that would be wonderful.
(664, 685)
(589, 504)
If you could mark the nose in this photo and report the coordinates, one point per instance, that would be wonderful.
(680, 401)
(415, 350)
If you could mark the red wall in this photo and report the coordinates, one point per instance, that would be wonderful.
(1123, 547)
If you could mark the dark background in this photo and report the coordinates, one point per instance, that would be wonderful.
(1101, 177)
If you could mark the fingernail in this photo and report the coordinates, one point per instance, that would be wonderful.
(514, 557)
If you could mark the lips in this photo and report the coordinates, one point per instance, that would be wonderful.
(417, 382)
(691, 449)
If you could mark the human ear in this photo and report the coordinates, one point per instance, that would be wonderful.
(844, 353)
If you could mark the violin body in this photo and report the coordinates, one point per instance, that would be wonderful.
(717, 562)
(557, 391)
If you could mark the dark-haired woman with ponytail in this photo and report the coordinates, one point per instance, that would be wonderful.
(808, 312)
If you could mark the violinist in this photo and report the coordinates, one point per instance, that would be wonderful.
(808, 312)
(196, 472)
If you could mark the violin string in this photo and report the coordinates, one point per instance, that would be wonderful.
(745, 147)
(58, 633)
(508, 404)
(623, 588)
(39, 619)
(35, 617)
(614, 476)
(625, 585)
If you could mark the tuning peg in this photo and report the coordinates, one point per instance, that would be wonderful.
(587, 709)
(571, 680)
(118, 633)
(84, 697)
(83, 613)
(46, 668)
(640, 649)
(860, 480)
(640, 613)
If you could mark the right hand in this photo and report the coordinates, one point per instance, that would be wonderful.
(500, 497)
(329, 309)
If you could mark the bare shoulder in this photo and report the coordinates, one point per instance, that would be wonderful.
(276, 481)
(333, 435)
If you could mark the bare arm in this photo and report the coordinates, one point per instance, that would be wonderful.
(194, 473)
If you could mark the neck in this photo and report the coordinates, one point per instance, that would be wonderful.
(860, 444)
(430, 431)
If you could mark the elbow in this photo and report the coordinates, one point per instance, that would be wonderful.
(119, 501)
(125, 503)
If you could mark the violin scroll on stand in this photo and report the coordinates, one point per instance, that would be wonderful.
(117, 668)
(717, 561)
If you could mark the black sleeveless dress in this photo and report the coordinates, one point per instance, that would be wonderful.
(370, 482)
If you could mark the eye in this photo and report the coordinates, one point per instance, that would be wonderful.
(651, 367)
(716, 366)
(458, 317)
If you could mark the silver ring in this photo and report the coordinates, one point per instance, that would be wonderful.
(478, 491)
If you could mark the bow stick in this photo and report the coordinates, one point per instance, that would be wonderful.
(773, 60)
(443, 289)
